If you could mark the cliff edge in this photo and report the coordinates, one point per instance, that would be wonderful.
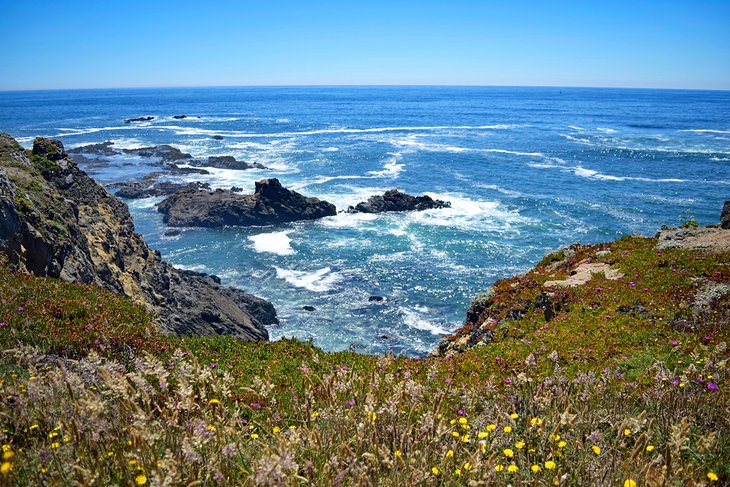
(56, 221)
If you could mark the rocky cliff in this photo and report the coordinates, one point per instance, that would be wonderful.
(56, 221)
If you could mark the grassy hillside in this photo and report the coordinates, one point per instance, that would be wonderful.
(623, 383)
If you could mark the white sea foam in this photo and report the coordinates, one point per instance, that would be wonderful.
(468, 214)
(66, 132)
(345, 220)
(317, 281)
(390, 168)
(274, 242)
(330, 149)
(591, 174)
(580, 140)
(192, 267)
(606, 130)
(414, 319)
(575, 127)
(707, 131)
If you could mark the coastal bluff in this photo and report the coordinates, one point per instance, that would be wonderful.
(58, 222)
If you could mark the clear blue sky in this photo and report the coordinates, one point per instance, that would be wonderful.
(116, 43)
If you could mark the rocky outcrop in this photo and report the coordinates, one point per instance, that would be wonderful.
(179, 117)
(136, 190)
(226, 162)
(139, 119)
(394, 200)
(58, 222)
(725, 216)
(164, 152)
(270, 204)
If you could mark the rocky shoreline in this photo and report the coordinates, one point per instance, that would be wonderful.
(58, 222)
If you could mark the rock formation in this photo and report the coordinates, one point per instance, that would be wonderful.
(58, 222)
(394, 200)
(270, 204)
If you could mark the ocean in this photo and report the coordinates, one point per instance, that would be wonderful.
(525, 169)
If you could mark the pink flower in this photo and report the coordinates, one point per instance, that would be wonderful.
(675, 342)
(213, 365)
(712, 387)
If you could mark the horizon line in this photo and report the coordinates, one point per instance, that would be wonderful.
(384, 85)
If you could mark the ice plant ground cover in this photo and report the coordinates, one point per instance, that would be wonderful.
(625, 385)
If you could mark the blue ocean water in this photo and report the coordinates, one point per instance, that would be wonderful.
(526, 170)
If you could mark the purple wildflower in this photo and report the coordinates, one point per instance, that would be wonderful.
(712, 387)
(213, 365)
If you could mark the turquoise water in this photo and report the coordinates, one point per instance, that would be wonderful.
(526, 170)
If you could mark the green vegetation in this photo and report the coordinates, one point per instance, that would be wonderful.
(627, 381)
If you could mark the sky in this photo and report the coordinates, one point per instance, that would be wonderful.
(64, 44)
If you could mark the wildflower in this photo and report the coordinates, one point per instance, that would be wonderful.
(210, 427)
(465, 439)
(398, 453)
(276, 429)
(33, 426)
(508, 453)
(449, 453)
(213, 401)
(439, 416)
(132, 462)
(498, 468)
(455, 434)
(52, 434)
(562, 444)
(110, 453)
(712, 476)
(141, 479)
(55, 445)
(8, 455)
(514, 415)
(535, 468)
(461, 412)
(5, 468)
(550, 465)
(512, 468)
(627, 432)
(213, 365)
(467, 466)
(649, 448)
(372, 415)
(712, 386)
(520, 445)
(452, 422)
(457, 472)
(435, 471)
(556, 437)
(491, 427)
(254, 436)
(596, 449)
(536, 422)
(508, 429)
(482, 434)
(629, 483)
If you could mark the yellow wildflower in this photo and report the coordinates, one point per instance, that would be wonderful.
(508, 429)
(712, 476)
(55, 445)
(535, 468)
(210, 427)
(550, 465)
(132, 462)
(457, 472)
(372, 415)
(5, 468)
(562, 444)
(254, 436)
(452, 422)
(398, 453)
(465, 439)
(536, 422)
(449, 453)
(276, 429)
(482, 435)
(435, 470)
(467, 466)
(6, 447)
(33, 426)
(508, 453)
(629, 483)
(52, 434)
(213, 401)
(514, 415)
(556, 437)
(596, 449)
(439, 416)
(512, 468)
(491, 427)
(463, 421)
(141, 479)
(649, 448)
(498, 468)
(455, 434)
(8, 455)
(627, 432)
(520, 445)
(110, 453)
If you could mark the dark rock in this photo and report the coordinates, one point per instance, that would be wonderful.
(217, 137)
(69, 227)
(270, 204)
(394, 200)
(139, 119)
(725, 216)
(236, 189)
(172, 232)
(179, 117)
(100, 149)
(309, 308)
(376, 299)
(226, 162)
(164, 152)
(49, 148)
(136, 190)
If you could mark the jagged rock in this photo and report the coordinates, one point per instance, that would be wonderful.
(49, 148)
(164, 152)
(100, 149)
(270, 204)
(58, 222)
(179, 117)
(135, 190)
(394, 200)
(139, 119)
(226, 162)
(309, 308)
(217, 137)
(725, 216)
(376, 299)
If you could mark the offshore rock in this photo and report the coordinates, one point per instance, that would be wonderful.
(139, 119)
(394, 200)
(58, 222)
(226, 162)
(725, 216)
(270, 204)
